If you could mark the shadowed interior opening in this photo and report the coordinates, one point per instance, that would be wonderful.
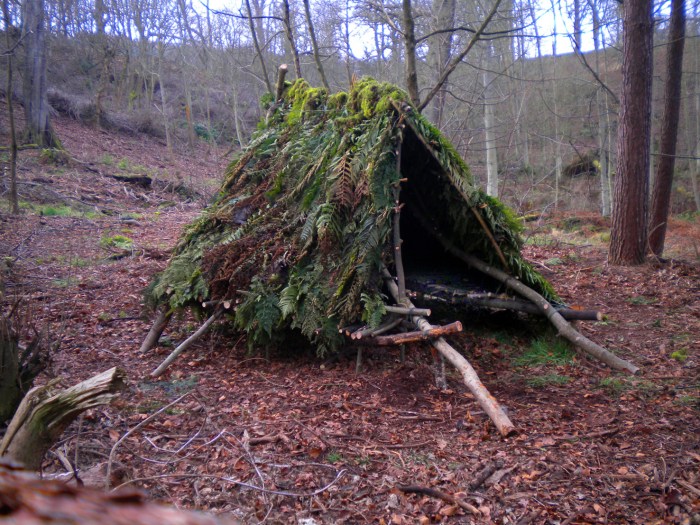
(429, 192)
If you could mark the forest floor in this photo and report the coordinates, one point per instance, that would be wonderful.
(295, 439)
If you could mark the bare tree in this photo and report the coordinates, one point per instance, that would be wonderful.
(9, 53)
(628, 239)
(661, 197)
(36, 104)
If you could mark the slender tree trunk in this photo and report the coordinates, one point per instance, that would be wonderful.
(36, 104)
(490, 136)
(409, 32)
(661, 197)
(163, 98)
(314, 45)
(290, 38)
(628, 239)
(258, 50)
(14, 199)
(440, 51)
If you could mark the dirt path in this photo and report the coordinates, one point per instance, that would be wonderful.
(334, 447)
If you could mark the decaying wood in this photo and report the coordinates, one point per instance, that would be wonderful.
(151, 340)
(412, 337)
(281, 74)
(373, 332)
(186, 344)
(435, 493)
(42, 417)
(469, 375)
(564, 328)
(28, 499)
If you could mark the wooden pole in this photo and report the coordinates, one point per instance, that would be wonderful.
(564, 328)
(186, 344)
(413, 337)
(469, 375)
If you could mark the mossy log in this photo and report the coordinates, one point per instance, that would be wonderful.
(42, 416)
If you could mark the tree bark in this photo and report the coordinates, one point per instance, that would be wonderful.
(256, 44)
(663, 181)
(14, 199)
(41, 417)
(36, 105)
(409, 37)
(314, 45)
(151, 340)
(628, 239)
(290, 38)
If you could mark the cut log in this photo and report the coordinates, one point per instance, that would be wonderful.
(469, 375)
(412, 337)
(151, 340)
(42, 417)
(563, 327)
(186, 344)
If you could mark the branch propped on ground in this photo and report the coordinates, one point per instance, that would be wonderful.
(42, 417)
(564, 328)
(469, 376)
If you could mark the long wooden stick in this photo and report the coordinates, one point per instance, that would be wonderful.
(565, 329)
(186, 344)
(469, 375)
(412, 337)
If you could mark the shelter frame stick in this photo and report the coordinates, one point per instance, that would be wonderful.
(186, 344)
(562, 325)
(471, 379)
(398, 260)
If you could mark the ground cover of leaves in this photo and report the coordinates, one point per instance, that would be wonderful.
(299, 440)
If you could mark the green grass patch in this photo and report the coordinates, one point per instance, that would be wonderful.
(120, 242)
(641, 300)
(176, 387)
(616, 386)
(680, 355)
(334, 457)
(56, 211)
(546, 351)
(66, 282)
(107, 160)
(554, 261)
(546, 380)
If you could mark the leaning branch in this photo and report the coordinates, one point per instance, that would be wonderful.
(565, 329)
(469, 375)
(186, 344)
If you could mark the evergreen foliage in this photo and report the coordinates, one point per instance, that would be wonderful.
(303, 221)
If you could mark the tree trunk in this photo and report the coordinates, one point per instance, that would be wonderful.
(14, 199)
(41, 417)
(628, 239)
(663, 181)
(36, 105)
(440, 51)
(314, 45)
(490, 135)
(409, 32)
(290, 38)
(256, 44)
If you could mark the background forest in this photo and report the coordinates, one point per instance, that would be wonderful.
(537, 125)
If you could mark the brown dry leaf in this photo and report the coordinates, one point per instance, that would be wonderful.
(315, 452)
(113, 435)
(449, 510)
(396, 519)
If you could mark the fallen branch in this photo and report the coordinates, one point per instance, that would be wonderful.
(564, 328)
(186, 344)
(469, 375)
(42, 417)
(412, 337)
(435, 493)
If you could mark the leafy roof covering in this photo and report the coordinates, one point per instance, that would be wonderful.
(303, 221)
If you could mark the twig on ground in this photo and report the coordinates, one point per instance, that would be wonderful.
(435, 493)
